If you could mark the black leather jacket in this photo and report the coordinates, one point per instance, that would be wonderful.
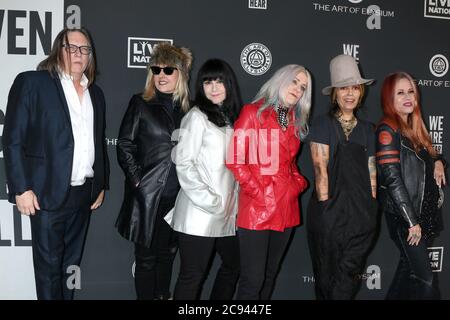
(144, 154)
(401, 175)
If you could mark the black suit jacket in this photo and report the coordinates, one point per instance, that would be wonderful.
(38, 141)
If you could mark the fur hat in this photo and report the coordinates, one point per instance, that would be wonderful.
(171, 56)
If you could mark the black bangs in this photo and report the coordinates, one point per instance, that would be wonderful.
(211, 77)
(216, 69)
(212, 70)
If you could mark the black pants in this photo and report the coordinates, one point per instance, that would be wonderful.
(154, 265)
(195, 255)
(413, 278)
(58, 239)
(261, 253)
(341, 230)
(338, 258)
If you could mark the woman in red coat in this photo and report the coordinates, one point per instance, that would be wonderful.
(262, 157)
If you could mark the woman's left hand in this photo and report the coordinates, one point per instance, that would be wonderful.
(439, 173)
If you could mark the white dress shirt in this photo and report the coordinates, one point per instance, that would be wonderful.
(82, 120)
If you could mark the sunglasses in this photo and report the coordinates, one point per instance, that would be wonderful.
(167, 70)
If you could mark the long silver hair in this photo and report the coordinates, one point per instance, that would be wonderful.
(271, 93)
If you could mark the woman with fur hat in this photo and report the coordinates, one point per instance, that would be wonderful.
(144, 153)
(342, 210)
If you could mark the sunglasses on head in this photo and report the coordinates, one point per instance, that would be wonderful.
(167, 70)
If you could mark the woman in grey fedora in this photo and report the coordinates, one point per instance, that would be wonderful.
(342, 210)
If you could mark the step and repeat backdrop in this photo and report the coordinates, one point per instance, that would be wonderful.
(256, 38)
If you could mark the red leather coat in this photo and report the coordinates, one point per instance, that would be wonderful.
(270, 182)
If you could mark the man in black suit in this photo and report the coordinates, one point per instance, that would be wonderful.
(55, 156)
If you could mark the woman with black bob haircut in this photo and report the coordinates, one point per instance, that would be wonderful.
(204, 215)
(215, 69)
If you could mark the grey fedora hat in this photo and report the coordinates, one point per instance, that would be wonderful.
(344, 72)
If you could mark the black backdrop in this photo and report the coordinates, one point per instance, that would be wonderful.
(309, 33)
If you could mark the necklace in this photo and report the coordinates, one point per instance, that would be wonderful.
(282, 117)
(347, 125)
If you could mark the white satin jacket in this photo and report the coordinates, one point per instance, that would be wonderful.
(207, 202)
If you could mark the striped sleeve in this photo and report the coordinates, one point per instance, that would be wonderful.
(388, 149)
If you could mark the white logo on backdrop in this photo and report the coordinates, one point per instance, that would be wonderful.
(438, 65)
(372, 277)
(351, 50)
(373, 11)
(141, 49)
(437, 9)
(436, 255)
(257, 4)
(436, 125)
(256, 59)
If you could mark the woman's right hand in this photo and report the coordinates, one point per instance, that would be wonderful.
(414, 236)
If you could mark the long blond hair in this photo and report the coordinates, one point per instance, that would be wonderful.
(170, 55)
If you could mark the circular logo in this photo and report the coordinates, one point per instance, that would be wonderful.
(439, 65)
(355, 1)
(385, 138)
(133, 268)
(256, 59)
